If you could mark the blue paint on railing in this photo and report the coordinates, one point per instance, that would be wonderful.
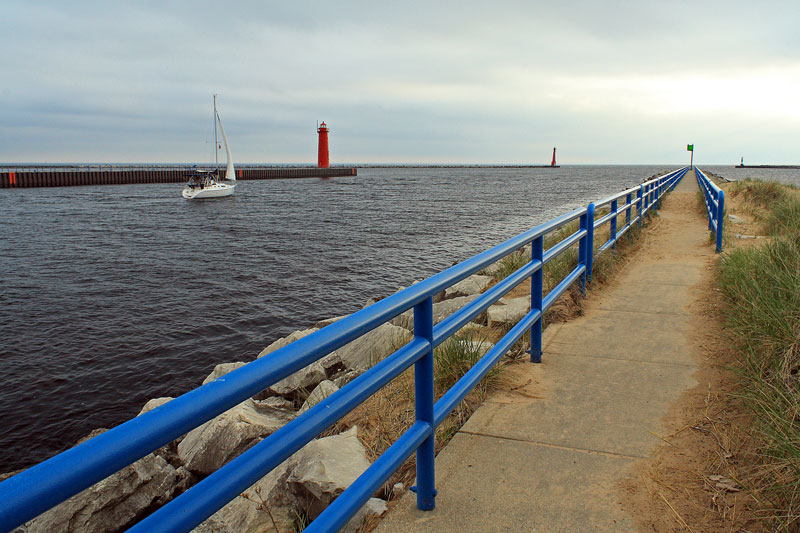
(715, 205)
(43, 486)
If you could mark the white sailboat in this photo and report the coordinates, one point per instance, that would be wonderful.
(208, 184)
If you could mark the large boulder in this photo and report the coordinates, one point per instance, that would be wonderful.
(206, 448)
(474, 284)
(372, 347)
(222, 369)
(286, 341)
(508, 311)
(325, 467)
(306, 482)
(306, 378)
(323, 390)
(115, 503)
(152, 404)
(264, 507)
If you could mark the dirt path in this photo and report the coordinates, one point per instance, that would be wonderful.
(557, 450)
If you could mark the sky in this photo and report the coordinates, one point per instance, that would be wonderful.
(607, 82)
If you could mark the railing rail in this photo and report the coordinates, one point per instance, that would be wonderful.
(39, 488)
(715, 205)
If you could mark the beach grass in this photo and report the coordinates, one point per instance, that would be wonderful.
(760, 286)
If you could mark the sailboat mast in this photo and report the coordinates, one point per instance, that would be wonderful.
(216, 145)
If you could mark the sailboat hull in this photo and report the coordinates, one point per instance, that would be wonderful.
(217, 190)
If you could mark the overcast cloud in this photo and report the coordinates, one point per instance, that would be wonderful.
(451, 82)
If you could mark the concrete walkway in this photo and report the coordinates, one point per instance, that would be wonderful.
(549, 455)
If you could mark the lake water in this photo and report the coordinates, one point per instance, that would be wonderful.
(112, 295)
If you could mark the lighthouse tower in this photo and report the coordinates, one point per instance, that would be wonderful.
(553, 162)
(323, 160)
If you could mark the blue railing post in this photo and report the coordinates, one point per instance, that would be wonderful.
(537, 254)
(423, 391)
(586, 245)
(659, 189)
(628, 210)
(639, 203)
(613, 224)
(720, 215)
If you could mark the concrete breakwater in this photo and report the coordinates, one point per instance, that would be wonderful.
(66, 176)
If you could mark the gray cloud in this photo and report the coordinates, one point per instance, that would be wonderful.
(627, 82)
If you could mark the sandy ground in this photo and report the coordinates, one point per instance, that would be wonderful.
(692, 481)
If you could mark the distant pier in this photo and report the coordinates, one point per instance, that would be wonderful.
(18, 176)
(767, 166)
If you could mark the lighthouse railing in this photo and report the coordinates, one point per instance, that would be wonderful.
(43, 486)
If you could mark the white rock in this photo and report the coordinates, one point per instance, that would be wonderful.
(274, 402)
(346, 378)
(325, 467)
(474, 284)
(152, 404)
(208, 447)
(510, 313)
(323, 390)
(373, 507)
(328, 321)
(222, 369)
(735, 219)
(255, 509)
(304, 379)
(285, 341)
(372, 347)
(114, 503)
(398, 489)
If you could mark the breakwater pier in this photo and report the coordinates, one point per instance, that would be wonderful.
(59, 175)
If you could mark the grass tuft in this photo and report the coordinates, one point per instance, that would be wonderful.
(763, 193)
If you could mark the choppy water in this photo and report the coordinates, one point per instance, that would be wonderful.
(112, 295)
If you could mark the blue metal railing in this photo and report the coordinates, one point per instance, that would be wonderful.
(39, 488)
(642, 198)
(715, 205)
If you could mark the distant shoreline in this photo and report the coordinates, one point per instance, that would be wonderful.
(767, 166)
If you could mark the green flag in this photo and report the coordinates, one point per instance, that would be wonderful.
(690, 148)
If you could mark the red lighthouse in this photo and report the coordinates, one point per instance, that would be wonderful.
(553, 163)
(323, 160)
